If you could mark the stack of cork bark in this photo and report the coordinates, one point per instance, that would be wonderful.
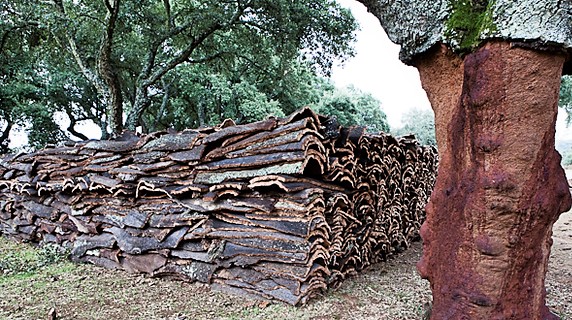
(279, 209)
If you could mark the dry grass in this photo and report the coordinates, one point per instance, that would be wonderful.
(390, 290)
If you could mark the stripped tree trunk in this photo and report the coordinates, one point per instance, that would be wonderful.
(492, 72)
(500, 186)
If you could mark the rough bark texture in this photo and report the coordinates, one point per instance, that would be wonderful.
(500, 186)
(279, 209)
(418, 25)
(107, 72)
(415, 25)
(545, 22)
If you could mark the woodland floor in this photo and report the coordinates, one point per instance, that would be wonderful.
(390, 290)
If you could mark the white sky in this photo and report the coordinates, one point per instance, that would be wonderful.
(376, 69)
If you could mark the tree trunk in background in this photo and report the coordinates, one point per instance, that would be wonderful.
(500, 187)
(108, 73)
(142, 102)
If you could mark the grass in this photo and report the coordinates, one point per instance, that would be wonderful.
(33, 281)
(21, 261)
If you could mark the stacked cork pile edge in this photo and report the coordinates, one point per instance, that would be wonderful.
(279, 209)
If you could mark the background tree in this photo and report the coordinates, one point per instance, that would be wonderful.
(421, 123)
(565, 99)
(185, 64)
(23, 83)
(352, 107)
(131, 52)
(164, 64)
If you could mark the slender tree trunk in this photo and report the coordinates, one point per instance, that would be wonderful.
(5, 138)
(500, 187)
(201, 113)
(107, 72)
(142, 102)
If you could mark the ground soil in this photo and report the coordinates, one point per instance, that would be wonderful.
(559, 276)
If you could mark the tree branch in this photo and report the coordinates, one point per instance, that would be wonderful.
(5, 137)
(14, 28)
(108, 5)
(106, 69)
(184, 55)
(164, 103)
(149, 77)
(88, 74)
(152, 53)
(71, 129)
(208, 58)
(170, 20)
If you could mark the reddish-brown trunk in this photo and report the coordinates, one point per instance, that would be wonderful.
(500, 186)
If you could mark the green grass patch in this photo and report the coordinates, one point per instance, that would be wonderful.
(21, 260)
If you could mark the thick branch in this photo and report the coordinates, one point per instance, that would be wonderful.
(170, 20)
(152, 53)
(4, 138)
(87, 73)
(106, 70)
(6, 33)
(71, 129)
(184, 55)
(149, 77)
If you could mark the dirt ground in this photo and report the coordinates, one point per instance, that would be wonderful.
(390, 290)
(559, 275)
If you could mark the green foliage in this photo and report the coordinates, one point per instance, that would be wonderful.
(352, 107)
(421, 123)
(173, 63)
(468, 20)
(565, 99)
(42, 130)
(202, 97)
(24, 98)
(567, 158)
(26, 260)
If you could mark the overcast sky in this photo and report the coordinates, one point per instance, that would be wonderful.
(376, 69)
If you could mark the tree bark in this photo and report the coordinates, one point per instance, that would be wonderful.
(71, 129)
(107, 72)
(500, 187)
(418, 25)
(5, 137)
(141, 104)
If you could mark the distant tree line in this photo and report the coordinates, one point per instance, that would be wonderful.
(420, 123)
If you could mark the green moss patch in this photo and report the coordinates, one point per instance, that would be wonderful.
(468, 20)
